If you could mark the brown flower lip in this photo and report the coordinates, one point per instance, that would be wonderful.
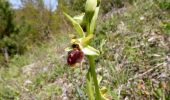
(75, 55)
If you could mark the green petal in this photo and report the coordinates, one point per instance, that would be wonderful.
(93, 21)
(88, 50)
(76, 25)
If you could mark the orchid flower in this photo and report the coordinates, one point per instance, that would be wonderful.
(84, 25)
(82, 41)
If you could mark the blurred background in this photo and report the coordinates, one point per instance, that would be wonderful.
(132, 35)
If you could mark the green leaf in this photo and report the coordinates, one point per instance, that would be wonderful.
(102, 45)
(166, 27)
(88, 50)
(93, 21)
(90, 89)
(76, 25)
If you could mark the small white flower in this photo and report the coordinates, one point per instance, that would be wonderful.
(142, 18)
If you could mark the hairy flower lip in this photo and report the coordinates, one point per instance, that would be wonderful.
(75, 56)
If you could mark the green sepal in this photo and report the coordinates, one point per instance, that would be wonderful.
(80, 18)
(76, 25)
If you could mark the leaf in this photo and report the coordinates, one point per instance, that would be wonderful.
(102, 45)
(166, 27)
(93, 21)
(90, 88)
(88, 50)
(76, 25)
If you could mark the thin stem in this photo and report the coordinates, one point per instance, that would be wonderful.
(90, 91)
(88, 25)
(93, 73)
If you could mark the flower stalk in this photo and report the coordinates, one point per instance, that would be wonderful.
(89, 81)
(82, 44)
(94, 75)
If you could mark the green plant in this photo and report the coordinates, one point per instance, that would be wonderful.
(85, 25)
(163, 4)
(166, 27)
(7, 28)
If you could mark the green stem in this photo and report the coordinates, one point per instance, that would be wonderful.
(93, 74)
(90, 91)
(88, 25)
(88, 21)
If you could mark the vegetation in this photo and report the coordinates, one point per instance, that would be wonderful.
(133, 37)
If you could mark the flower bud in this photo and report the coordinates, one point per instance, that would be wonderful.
(90, 5)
